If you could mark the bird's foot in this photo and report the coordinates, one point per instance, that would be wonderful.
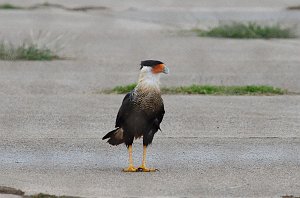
(145, 169)
(130, 169)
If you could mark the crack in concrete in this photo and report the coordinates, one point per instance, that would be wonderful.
(11, 191)
(18, 192)
(59, 6)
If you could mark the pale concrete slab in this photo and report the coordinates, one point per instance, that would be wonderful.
(210, 146)
(92, 116)
(9, 196)
(209, 167)
(51, 121)
(165, 3)
(107, 46)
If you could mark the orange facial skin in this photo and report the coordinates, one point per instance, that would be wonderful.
(158, 68)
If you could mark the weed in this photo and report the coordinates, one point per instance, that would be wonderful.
(121, 89)
(42, 195)
(294, 7)
(208, 90)
(247, 31)
(25, 52)
(9, 6)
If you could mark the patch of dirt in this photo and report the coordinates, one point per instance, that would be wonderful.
(11, 191)
(294, 7)
(14, 191)
(52, 5)
(57, 6)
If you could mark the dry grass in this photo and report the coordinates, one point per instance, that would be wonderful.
(26, 52)
(247, 31)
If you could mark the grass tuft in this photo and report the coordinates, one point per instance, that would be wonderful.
(294, 7)
(121, 89)
(247, 31)
(42, 195)
(9, 6)
(25, 52)
(208, 90)
(224, 90)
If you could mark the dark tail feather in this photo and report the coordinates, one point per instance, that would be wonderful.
(109, 134)
(115, 137)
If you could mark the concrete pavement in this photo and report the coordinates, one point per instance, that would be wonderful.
(205, 167)
(106, 46)
(52, 122)
(210, 146)
(92, 115)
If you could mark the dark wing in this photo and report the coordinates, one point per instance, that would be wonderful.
(137, 119)
(155, 126)
(125, 109)
(159, 117)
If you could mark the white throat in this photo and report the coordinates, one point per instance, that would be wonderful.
(148, 80)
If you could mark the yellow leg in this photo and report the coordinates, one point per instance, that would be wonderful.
(143, 167)
(130, 167)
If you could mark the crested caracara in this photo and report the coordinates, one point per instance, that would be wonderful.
(141, 112)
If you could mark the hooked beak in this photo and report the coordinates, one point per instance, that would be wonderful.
(166, 70)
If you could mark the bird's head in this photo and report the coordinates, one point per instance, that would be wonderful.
(150, 72)
(154, 66)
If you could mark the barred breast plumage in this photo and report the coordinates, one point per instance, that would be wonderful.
(148, 101)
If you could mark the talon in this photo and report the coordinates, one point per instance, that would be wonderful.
(130, 169)
(144, 169)
(139, 169)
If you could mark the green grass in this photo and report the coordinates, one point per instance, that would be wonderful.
(121, 89)
(247, 31)
(9, 6)
(42, 195)
(208, 90)
(25, 52)
(224, 90)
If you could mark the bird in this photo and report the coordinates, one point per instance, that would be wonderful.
(141, 112)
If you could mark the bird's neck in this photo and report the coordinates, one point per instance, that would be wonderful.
(148, 81)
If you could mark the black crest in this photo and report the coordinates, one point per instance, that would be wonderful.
(150, 63)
